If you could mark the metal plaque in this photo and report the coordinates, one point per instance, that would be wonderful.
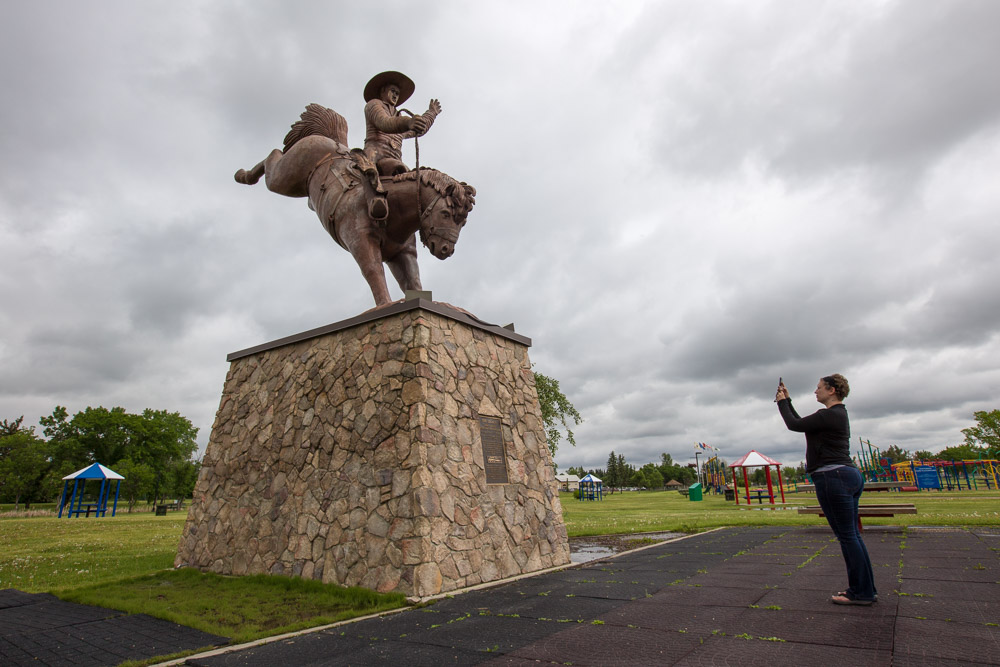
(494, 453)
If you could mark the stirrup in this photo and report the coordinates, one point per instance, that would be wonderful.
(378, 208)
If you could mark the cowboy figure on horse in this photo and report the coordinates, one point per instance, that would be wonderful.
(346, 190)
(386, 127)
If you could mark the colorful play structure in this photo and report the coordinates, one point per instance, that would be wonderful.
(99, 507)
(951, 475)
(591, 488)
(715, 474)
(754, 459)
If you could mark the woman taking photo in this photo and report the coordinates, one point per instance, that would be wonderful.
(838, 482)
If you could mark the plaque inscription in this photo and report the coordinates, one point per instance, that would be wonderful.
(494, 453)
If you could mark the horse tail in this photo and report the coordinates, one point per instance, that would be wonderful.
(317, 119)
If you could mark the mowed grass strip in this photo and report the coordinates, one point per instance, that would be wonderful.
(241, 608)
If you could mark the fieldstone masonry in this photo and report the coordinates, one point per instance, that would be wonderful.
(353, 456)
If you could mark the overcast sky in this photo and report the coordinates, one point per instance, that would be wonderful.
(678, 202)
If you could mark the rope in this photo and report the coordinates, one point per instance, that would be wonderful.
(416, 147)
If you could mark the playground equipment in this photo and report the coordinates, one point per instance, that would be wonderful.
(754, 459)
(591, 488)
(100, 507)
(930, 474)
(873, 467)
(951, 475)
(715, 471)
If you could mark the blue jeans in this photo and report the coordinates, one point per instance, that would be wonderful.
(838, 491)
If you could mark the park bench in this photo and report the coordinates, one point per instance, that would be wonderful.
(869, 486)
(683, 492)
(868, 510)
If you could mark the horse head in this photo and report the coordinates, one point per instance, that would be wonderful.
(447, 208)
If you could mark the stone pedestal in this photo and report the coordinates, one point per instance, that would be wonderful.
(355, 454)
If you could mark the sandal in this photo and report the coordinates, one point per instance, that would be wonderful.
(843, 599)
(843, 594)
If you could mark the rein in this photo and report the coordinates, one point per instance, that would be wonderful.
(416, 147)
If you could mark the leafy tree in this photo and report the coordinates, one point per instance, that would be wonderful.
(895, 454)
(666, 460)
(556, 411)
(28, 470)
(923, 455)
(652, 478)
(138, 482)
(986, 432)
(22, 465)
(960, 453)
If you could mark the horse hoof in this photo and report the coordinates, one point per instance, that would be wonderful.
(245, 177)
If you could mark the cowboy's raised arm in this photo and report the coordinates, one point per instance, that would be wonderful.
(423, 122)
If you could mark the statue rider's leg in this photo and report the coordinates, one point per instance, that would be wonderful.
(378, 205)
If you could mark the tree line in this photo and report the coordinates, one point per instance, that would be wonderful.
(153, 450)
(618, 473)
(981, 441)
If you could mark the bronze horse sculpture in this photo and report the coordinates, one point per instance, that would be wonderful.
(316, 163)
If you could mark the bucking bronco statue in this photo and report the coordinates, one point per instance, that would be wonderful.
(366, 199)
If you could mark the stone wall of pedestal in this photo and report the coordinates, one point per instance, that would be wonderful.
(355, 456)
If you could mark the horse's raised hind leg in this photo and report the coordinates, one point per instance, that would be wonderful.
(254, 174)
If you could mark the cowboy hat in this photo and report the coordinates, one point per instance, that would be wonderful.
(374, 87)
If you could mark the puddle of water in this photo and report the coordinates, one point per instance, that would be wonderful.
(586, 553)
(586, 549)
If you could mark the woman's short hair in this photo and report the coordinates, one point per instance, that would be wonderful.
(838, 383)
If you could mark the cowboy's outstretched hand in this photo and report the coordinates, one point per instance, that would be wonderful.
(434, 107)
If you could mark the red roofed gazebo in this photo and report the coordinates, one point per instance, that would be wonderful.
(754, 459)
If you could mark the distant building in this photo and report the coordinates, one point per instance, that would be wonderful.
(673, 484)
(568, 482)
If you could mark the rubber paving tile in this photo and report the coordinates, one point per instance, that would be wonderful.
(929, 638)
(611, 645)
(11, 597)
(717, 595)
(957, 572)
(664, 615)
(40, 629)
(563, 607)
(761, 652)
(869, 631)
(963, 611)
(963, 590)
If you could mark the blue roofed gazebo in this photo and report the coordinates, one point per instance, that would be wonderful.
(79, 479)
(591, 488)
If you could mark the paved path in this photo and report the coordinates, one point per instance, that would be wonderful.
(738, 596)
(41, 629)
